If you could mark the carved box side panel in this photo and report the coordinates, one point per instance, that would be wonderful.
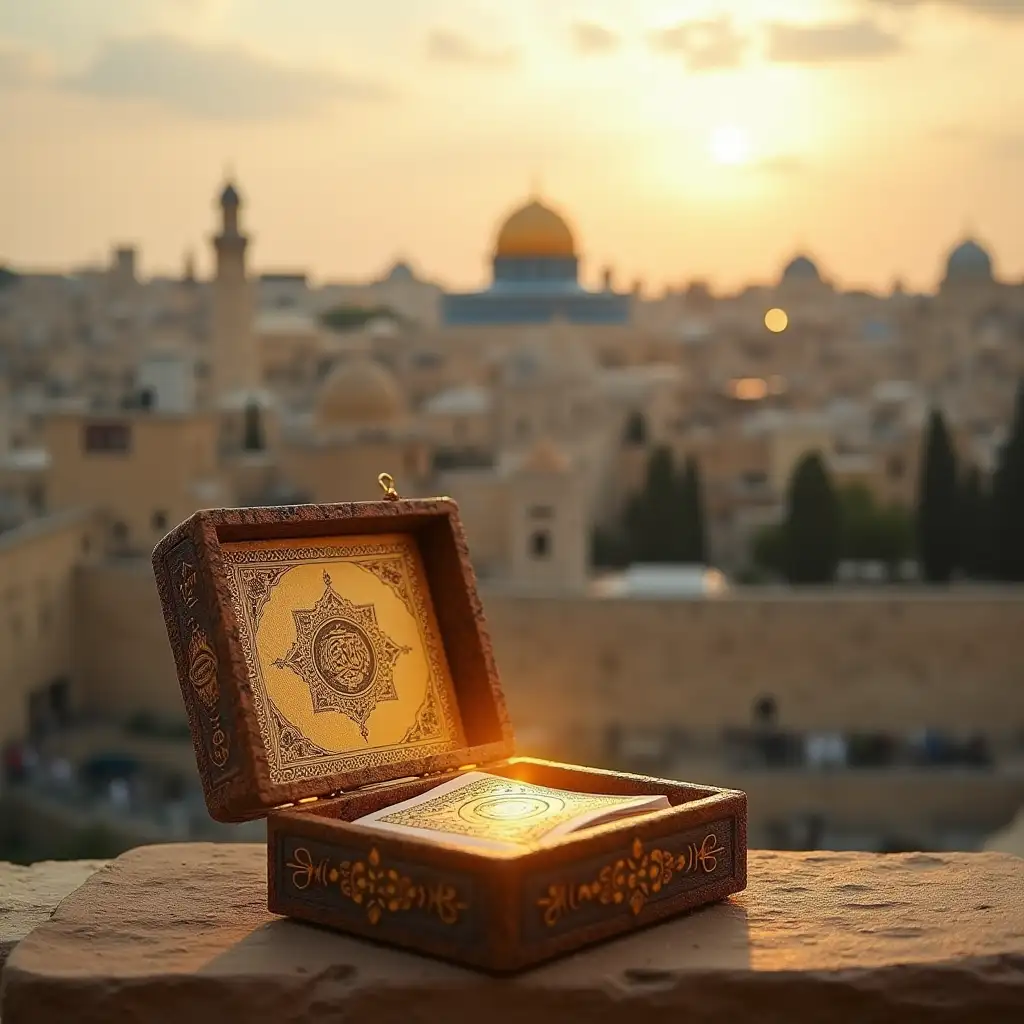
(372, 891)
(628, 886)
(188, 610)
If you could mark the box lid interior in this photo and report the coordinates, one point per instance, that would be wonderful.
(357, 648)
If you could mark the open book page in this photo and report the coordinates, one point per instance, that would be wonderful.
(492, 812)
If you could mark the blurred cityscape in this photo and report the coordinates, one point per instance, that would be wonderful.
(767, 539)
(767, 536)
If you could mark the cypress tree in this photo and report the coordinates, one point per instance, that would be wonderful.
(252, 439)
(974, 526)
(937, 506)
(693, 541)
(1008, 500)
(812, 533)
(653, 525)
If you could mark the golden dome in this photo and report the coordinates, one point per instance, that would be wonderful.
(359, 392)
(535, 230)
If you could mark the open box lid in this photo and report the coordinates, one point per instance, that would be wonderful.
(321, 648)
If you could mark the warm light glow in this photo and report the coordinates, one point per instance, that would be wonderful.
(730, 145)
(749, 389)
(776, 320)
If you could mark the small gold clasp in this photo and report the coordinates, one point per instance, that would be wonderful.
(387, 485)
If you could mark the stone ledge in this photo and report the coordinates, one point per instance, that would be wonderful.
(28, 895)
(172, 933)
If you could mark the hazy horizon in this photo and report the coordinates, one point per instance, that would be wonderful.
(680, 140)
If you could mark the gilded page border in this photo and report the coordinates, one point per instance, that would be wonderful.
(395, 564)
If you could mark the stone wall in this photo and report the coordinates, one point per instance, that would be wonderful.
(887, 659)
(37, 608)
(874, 659)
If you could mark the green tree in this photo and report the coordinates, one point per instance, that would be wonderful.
(609, 549)
(252, 434)
(872, 533)
(1008, 500)
(812, 532)
(768, 549)
(692, 539)
(651, 520)
(937, 506)
(347, 318)
(974, 526)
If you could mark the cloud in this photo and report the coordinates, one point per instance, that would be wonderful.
(449, 47)
(1000, 9)
(711, 44)
(590, 38)
(829, 42)
(21, 66)
(217, 82)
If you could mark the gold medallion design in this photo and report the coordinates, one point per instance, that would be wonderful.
(202, 667)
(348, 672)
(343, 656)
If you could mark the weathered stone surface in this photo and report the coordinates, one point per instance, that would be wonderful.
(29, 894)
(181, 933)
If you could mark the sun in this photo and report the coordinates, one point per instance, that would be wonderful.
(729, 145)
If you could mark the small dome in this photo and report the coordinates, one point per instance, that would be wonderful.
(400, 271)
(547, 458)
(535, 230)
(801, 268)
(969, 260)
(230, 196)
(357, 392)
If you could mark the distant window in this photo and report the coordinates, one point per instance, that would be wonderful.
(540, 544)
(635, 432)
(86, 544)
(522, 427)
(159, 520)
(542, 512)
(107, 437)
(119, 531)
(754, 478)
(895, 467)
(765, 710)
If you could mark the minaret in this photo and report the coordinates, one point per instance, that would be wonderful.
(234, 359)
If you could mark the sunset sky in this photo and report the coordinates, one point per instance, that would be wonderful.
(681, 139)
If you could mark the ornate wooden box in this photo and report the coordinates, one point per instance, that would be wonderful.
(333, 660)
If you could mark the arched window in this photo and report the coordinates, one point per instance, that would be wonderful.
(540, 544)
